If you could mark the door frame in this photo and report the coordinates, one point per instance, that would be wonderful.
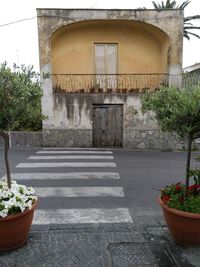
(122, 119)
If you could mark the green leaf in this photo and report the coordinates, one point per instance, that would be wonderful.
(20, 99)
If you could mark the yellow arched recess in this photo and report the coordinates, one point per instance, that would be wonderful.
(141, 47)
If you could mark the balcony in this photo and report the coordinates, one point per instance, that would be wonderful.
(108, 83)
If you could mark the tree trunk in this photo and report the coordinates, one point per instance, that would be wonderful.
(6, 143)
(189, 148)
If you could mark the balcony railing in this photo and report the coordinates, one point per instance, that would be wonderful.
(108, 83)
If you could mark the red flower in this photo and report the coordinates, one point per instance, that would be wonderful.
(178, 187)
(192, 187)
(165, 199)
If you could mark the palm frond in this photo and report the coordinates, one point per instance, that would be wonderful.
(188, 23)
(155, 5)
(186, 34)
(170, 5)
(191, 27)
(184, 4)
(173, 5)
(191, 18)
(165, 5)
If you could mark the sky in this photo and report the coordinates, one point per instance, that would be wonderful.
(19, 40)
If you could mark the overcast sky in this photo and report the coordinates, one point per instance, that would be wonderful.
(19, 41)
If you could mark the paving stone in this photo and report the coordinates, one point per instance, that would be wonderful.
(179, 255)
(132, 254)
(84, 247)
(101, 246)
(140, 255)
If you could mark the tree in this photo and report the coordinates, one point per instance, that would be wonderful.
(188, 25)
(20, 99)
(170, 5)
(177, 111)
(20, 104)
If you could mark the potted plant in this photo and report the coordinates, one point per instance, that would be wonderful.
(17, 204)
(178, 111)
(20, 102)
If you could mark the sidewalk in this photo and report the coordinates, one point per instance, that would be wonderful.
(101, 246)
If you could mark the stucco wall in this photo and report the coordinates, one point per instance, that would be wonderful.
(74, 111)
(73, 122)
(141, 48)
(169, 21)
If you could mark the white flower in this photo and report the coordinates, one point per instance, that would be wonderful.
(15, 199)
(4, 213)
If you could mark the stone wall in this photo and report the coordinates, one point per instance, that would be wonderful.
(150, 140)
(26, 139)
(138, 139)
(67, 138)
(153, 139)
(135, 139)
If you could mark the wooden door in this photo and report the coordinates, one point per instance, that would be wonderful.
(107, 125)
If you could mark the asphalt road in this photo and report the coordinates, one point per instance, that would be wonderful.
(142, 174)
(92, 216)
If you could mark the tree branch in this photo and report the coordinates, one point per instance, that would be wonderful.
(5, 136)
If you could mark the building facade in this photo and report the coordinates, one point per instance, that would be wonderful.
(191, 76)
(96, 65)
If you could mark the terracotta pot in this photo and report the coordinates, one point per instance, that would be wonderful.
(183, 226)
(14, 229)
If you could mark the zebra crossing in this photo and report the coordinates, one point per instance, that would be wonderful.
(65, 164)
(42, 166)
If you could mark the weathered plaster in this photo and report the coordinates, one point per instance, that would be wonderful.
(69, 120)
(170, 21)
(76, 111)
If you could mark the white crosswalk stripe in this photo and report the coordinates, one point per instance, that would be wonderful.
(74, 152)
(65, 164)
(65, 175)
(74, 216)
(71, 157)
(79, 191)
(60, 158)
(76, 148)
